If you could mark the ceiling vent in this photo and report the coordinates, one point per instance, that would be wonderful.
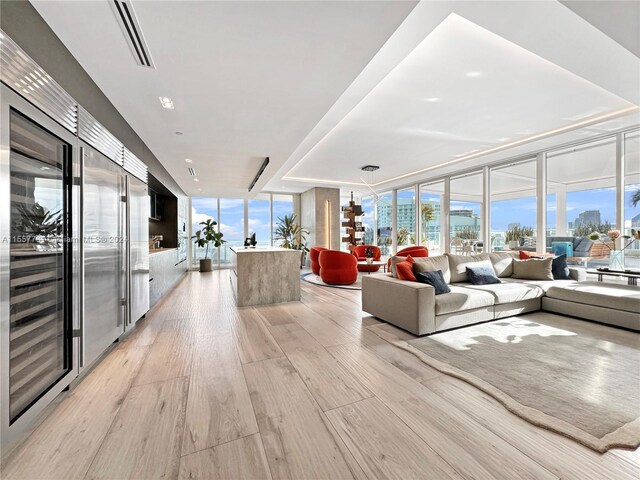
(370, 168)
(191, 171)
(133, 34)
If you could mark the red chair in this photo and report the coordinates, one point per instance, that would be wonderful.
(314, 253)
(414, 251)
(360, 252)
(338, 268)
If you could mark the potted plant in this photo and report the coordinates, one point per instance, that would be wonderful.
(207, 235)
(368, 252)
(292, 235)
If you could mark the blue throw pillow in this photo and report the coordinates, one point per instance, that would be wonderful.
(560, 269)
(482, 275)
(435, 279)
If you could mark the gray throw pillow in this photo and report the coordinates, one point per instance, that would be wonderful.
(435, 279)
(534, 269)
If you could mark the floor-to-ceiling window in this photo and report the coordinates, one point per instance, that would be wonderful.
(583, 180)
(406, 217)
(232, 226)
(632, 197)
(430, 218)
(259, 219)
(513, 206)
(383, 211)
(203, 209)
(368, 220)
(282, 206)
(465, 207)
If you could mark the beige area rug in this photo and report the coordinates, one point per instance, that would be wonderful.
(577, 378)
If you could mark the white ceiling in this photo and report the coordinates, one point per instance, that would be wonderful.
(249, 80)
(462, 90)
(323, 88)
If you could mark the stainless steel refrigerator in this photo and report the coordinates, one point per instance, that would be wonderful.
(104, 250)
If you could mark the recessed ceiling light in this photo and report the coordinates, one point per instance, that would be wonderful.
(188, 160)
(166, 102)
(196, 180)
(432, 99)
(474, 74)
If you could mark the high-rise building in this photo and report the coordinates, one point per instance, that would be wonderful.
(588, 217)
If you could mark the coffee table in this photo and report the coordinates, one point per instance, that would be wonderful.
(632, 278)
(378, 263)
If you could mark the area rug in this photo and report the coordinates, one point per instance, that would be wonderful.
(576, 378)
(316, 280)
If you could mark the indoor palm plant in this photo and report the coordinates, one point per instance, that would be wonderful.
(203, 238)
(291, 235)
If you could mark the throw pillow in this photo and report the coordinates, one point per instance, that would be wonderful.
(534, 269)
(482, 275)
(431, 264)
(404, 269)
(458, 265)
(397, 259)
(435, 279)
(559, 268)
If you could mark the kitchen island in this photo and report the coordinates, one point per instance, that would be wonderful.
(265, 275)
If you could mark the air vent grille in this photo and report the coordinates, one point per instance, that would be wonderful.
(135, 166)
(191, 171)
(99, 137)
(133, 34)
(20, 73)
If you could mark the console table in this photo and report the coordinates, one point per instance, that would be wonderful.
(265, 275)
(632, 278)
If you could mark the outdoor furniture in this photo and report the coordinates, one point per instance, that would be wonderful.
(314, 252)
(360, 252)
(338, 268)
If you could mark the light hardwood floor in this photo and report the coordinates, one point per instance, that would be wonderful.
(205, 390)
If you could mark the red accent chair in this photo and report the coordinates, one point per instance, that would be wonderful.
(360, 252)
(338, 268)
(314, 253)
(415, 251)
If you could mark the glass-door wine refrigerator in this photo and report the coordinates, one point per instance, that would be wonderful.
(38, 260)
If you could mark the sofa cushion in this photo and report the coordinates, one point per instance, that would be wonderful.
(534, 269)
(404, 270)
(435, 279)
(458, 265)
(461, 298)
(559, 268)
(543, 285)
(510, 291)
(482, 274)
(431, 264)
(606, 295)
(502, 263)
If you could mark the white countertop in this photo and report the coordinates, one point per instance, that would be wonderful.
(240, 250)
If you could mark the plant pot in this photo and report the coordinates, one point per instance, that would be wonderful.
(205, 265)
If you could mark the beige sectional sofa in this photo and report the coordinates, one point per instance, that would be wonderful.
(416, 308)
